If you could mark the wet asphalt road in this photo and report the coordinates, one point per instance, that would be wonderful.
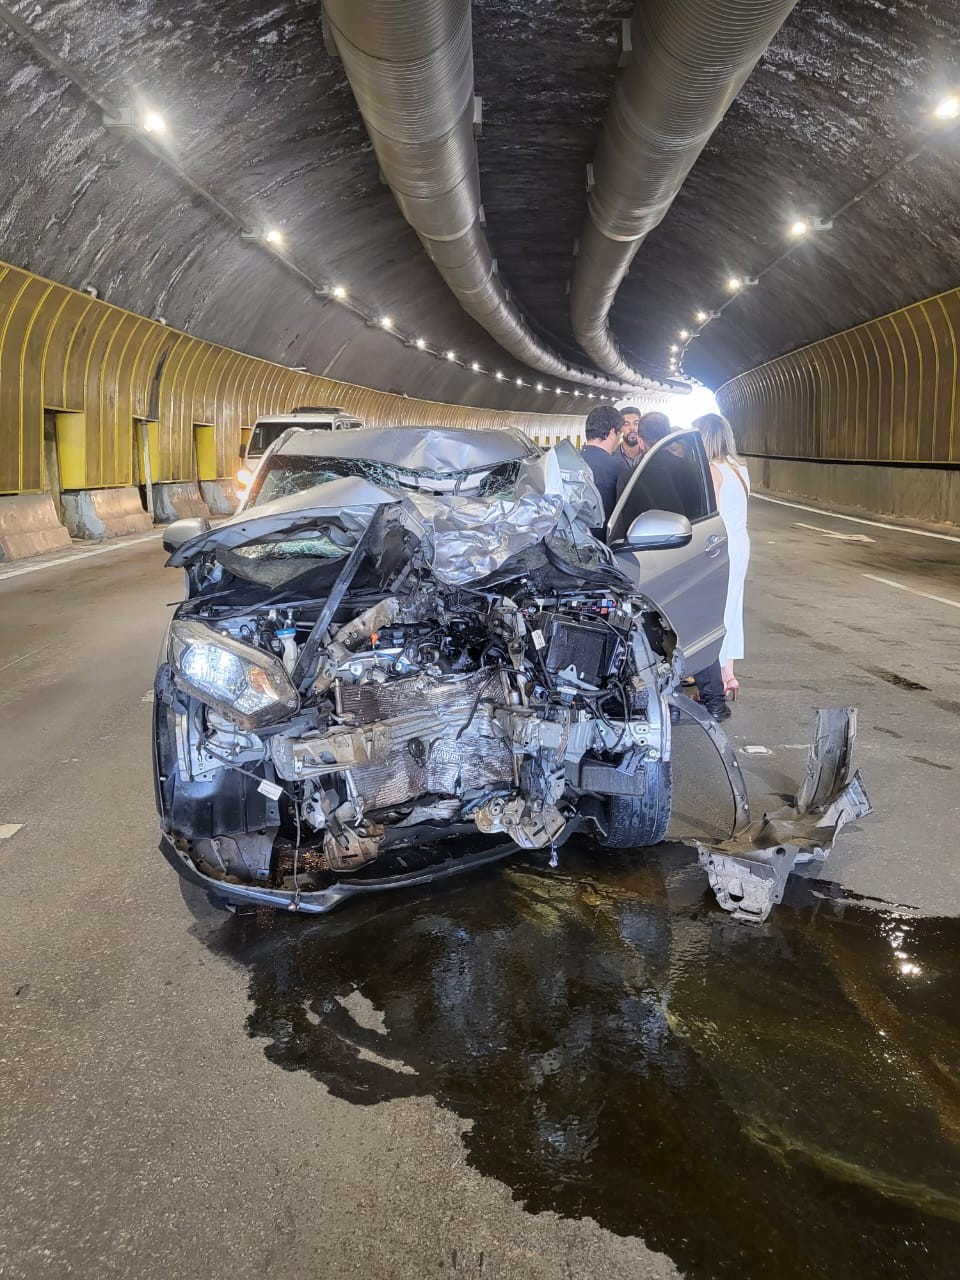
(592, 1073)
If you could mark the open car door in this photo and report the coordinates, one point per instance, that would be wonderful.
(682, 567)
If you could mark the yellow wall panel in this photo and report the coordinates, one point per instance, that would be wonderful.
(72, 450)
(96, 366)
(205, 443)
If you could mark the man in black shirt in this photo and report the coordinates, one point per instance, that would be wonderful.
(603, 432)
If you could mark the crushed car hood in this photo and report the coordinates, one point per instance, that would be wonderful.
(467, 537)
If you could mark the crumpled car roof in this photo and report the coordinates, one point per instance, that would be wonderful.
(468, 537)
(435, 449)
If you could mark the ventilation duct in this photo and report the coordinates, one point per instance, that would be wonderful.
(410, 66)
(689, 61)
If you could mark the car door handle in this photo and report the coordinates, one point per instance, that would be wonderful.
(715, 544)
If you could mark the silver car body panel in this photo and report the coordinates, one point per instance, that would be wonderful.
(689, 584)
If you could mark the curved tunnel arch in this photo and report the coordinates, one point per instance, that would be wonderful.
(260, 111)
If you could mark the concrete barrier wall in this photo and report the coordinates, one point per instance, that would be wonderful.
(221, 496)
(911, 493)
(29, 525)
(175, 501)
(105, 513)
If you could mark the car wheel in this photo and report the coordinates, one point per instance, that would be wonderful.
(635, 822)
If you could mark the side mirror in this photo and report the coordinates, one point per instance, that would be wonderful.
(659, 531)
(181, 531)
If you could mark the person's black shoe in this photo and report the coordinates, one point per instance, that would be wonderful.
(720, 712)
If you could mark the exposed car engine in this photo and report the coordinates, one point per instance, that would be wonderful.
(428, 714)
(406, 656)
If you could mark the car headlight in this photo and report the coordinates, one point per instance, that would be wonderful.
(244, 684)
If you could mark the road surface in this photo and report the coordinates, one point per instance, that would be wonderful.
(146, 1134)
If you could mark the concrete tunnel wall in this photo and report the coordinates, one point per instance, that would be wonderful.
(867, 419)
(99, 372)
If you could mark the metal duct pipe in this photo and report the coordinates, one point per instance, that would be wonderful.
(689, 61)
(410, 66)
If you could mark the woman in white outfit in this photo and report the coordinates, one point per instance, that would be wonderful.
(731, 482)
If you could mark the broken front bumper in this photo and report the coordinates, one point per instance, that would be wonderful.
(749, 872)
(317, 902)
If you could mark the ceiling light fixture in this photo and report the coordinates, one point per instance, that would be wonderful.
(153, 122)
(684, 334)
(518, 381)
(451, 355)
(475, 367)
(539, 386)
(275, 237)
(799, 228)
(947, 108)
(421, 344)
(734, 284)
(702, 317)
(386, 322)
(339, 292)
(674, 347)
(499, 376)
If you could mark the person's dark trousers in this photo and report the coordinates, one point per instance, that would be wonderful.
(709, 684)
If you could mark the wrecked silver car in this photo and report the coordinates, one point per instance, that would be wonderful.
(407, 655)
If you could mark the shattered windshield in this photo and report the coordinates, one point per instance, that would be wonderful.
(285, 475)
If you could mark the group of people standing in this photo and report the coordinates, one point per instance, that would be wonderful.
(616, 440)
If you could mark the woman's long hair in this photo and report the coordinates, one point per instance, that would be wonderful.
(717, 435)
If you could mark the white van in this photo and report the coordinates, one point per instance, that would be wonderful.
(272, 426)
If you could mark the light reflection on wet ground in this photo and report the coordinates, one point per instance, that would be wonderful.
(755, 1102)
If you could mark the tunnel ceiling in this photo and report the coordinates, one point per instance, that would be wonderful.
(260, 113)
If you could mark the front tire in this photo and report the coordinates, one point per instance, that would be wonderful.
(636, 822)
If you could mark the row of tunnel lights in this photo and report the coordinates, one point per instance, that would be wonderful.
(947, 109)
(155, 125)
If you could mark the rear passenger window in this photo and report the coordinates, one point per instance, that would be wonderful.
(672, 477)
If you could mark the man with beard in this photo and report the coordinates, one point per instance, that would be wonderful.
(630, 445)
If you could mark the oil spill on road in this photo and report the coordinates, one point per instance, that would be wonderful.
(780, 1101)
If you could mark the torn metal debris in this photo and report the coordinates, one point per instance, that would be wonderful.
(749, 872)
